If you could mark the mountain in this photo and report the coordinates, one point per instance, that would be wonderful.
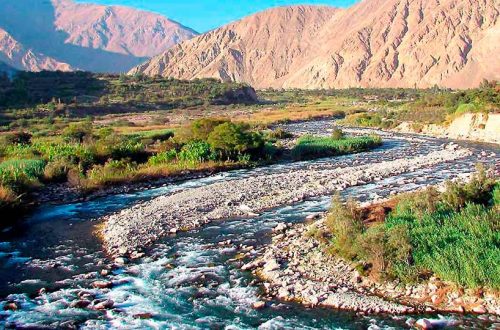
(18, 56)
(64, 35)
(375, 43)
(4, 68)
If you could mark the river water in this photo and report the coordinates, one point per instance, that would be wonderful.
(191, 280)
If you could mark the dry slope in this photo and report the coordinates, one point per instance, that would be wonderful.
(375, 43)
(63, 35)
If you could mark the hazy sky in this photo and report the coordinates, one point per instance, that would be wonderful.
(204, 15)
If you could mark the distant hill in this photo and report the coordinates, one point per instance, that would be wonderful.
(63, 35)
(83, 93)
(375, 43)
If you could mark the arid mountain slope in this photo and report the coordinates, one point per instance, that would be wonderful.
(84, 36)
(376, 43)
(260, 49)
(118, 29)
(13, 53)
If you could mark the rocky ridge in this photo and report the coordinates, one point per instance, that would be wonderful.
(375, 43)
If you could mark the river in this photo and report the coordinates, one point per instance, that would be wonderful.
(192, 280)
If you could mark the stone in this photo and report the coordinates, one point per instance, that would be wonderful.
(80, 304)
(280, 227)
(424, 324)
(271, 265)
(480, 310)
(106, 304)
(143, 316)
(102, 284)
(121, 261)
(11, 306)
(259, 305)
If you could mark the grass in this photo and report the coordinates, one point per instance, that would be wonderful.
(312, 147)
(20, 173)
(454, 235)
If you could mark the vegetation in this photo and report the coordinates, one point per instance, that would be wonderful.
(453, 234)
(313, 147)
(73, 92)
(434, 106)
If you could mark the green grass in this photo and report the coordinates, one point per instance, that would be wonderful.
(453, 235)
(312, 147)
(459, 246)
(18, 173)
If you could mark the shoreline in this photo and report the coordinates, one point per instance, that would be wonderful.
(296, 267)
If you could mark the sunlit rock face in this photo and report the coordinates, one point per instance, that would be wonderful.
(375, 43)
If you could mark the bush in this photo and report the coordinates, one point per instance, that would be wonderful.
(77, 132)
(163, 157)
(345, 224)
(195, 152)
(231, 140)
(337, 134)
(17, 138)
(7, 197)
(57, 171)
(279, 134)
(112, 171)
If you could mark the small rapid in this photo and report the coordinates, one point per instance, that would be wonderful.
(192, 280)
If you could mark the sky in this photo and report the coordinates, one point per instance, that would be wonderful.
(205, 15)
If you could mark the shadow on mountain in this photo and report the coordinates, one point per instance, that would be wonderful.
(31, 22)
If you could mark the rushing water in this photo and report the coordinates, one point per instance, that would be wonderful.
(192, 280)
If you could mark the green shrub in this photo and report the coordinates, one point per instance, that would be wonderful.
(345, 224)
(337, 134)
(279, 134)
(21, 173)
(229, 141)
(195, 152)
(163, 157)
(17, 138)
(453, 235)
(77, 132)
(57, 171)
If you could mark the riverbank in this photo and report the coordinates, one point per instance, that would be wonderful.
(295, 267)
(130, 230)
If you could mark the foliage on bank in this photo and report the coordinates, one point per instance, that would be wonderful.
(454, 235)
(309, 147)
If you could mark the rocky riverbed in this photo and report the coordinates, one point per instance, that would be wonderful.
(297, 267)
(130, 230)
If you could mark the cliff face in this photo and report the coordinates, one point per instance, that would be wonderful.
(62, 35)
(376, 43)
(469, 126)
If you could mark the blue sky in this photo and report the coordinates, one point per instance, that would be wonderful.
(204, 15)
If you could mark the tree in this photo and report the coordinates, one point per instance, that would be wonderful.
(200, 129)
(231, 140)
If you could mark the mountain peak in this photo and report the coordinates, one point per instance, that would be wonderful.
(87, 36)
(375, 43)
